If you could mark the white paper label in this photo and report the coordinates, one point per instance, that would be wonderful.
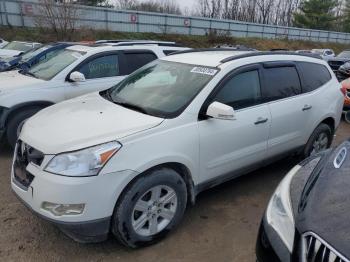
(204, 71)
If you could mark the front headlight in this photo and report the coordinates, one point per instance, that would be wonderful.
(279, 213)
(86, 162)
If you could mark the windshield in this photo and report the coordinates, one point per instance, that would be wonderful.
(161, 88)
(18, 46)
(344, 54)
(34, 52)
(49, 68)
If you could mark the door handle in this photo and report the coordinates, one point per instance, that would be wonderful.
(261, 120)
(307, 107)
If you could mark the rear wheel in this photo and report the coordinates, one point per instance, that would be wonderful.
(152, 206)
(347, 117)
(16, 123)
(320, 140)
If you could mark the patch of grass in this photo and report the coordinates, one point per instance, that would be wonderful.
(33, 34)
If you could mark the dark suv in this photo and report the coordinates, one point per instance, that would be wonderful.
(307, 218)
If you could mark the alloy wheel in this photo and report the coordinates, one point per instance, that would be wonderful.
(154, 210)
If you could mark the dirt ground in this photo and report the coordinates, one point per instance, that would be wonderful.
(222, 226)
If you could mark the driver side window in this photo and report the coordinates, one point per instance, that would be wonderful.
(103, 66)
(242, 90)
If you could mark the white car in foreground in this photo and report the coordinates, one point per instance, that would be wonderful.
(16, 48)
(68, 73)
(128, 160)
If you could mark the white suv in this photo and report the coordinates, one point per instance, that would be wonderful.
(128, 160)
(68, 73)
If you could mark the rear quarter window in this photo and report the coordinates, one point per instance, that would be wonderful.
(313, 75)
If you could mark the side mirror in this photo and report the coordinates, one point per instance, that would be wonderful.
(220, 111)
(77, 77)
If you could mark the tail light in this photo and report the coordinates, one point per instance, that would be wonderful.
(343, 90)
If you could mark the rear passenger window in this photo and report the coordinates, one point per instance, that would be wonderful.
(281, 82)
(134, 61)
(313, 76)
(242, 90)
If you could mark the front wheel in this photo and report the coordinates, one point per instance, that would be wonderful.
(148, 209)
(320, 140)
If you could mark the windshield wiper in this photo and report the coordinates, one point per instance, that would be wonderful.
(132, 107)
(23, 72)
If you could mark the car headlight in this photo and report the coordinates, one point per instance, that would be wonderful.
(86, 162)
(279, 213)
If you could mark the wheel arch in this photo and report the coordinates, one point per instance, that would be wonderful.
(330, 121)
(180, 168)
(15, 109)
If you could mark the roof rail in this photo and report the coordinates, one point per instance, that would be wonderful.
(261, 53)
(196, 50)
(141, 42)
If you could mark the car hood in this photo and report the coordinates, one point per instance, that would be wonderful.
(83, 122)
(9, 53)
(13, 80)
(325, 210)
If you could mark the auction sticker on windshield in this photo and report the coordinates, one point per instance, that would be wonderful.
(204, 70)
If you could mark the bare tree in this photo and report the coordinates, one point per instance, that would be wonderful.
(278, 12)
(58, 17)
(126, 4)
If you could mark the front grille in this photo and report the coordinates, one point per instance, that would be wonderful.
(314, 249)
(29, 154)
(335, 64)
(24, 155)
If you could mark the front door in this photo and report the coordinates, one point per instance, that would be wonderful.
(228, 147)
(101, 73)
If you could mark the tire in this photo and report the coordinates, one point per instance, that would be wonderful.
(321, 130)
(126, 215)
(347, 117)
(16, 123)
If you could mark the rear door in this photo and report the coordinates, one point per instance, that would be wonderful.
(290, 108)
(228, 147)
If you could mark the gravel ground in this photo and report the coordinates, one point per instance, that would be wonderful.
(222, 226)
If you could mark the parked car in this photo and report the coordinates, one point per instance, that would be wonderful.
(2, 43)
(304, 51)
(128, 160)
(346, 91)
(27, 60)
(307, 218)
(326, 54)
(71, 72)
(235, 47)
(16, 48)
(336, 62)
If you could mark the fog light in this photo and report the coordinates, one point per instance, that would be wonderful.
(63, 209)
